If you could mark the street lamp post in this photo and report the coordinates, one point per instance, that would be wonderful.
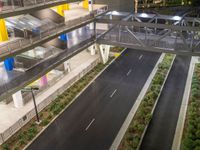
(32, 89)
(35, 106)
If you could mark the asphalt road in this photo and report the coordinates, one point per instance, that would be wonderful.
(94, 119)
(160, 133)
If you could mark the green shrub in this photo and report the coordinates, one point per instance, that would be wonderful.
(53, 109)
(191, 138)
(22, 142)
(5, 147)
(16, 148)
(45, 122)
(30, 136)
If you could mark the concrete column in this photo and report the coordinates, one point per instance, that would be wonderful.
(3, 31)
(9, 62)
(67, 66)
(60, 9)
(43, 80)
(92, 49)
(104, 52)
(90, 8)
(18, 99)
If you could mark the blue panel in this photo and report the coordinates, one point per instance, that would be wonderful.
(64, 37)
(9, 64)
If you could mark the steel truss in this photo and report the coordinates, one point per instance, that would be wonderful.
(152, 32)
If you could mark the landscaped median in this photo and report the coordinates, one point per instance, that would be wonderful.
(191, 133)
(31, 129)
(136, 130)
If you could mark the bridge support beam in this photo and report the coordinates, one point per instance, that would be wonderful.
(18, 99)
(9, 62)
(92, 49)
(88, 4)
(104, 51)
(3, 31)
(67, 66)
(61, 9)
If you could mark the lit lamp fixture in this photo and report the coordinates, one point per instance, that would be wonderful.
(32, 89)
(143, 15)
(178, 18)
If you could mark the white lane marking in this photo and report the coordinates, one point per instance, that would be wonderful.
(113, 93)
(89, 124)
(140, 57)
(128, 73)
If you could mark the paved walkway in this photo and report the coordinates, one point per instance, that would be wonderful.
(78, 64)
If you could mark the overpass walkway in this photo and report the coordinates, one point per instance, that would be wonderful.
(151, 32)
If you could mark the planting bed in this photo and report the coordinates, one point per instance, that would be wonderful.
(191, 133)
(140, 121)
(31, 129)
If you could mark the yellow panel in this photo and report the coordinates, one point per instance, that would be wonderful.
(86, 4)
(60, 10)
(66, 7)
(117, 55)
(3, 31)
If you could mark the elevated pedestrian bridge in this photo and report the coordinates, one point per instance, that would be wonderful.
(151, 32)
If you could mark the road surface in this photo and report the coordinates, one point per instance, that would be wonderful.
(94, 119)
(160, 133)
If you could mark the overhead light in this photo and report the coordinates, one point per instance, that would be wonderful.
(22, 22)
(31, 23)
(12, 21)
(115, 13)
(9, 24)
(144, 15)
(177, 18)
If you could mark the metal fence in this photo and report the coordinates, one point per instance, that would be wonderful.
(29, 115)
(13, 46)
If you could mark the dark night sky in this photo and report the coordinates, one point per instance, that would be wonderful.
(123, 5)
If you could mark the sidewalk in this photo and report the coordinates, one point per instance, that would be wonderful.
(80, 65)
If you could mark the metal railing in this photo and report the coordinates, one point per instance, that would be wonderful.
(4, 135)
(14, 5)
(13, 46)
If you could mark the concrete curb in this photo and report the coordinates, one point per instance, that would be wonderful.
(133, 110)
(183, 111)
(70, 102)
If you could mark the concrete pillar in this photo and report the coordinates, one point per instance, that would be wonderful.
(86, 4)
(92, 49)
(3, 31)
(9, 62)
(67, 66)
(64, 37)
(104, 52)
(60, 9)
(43, 80)
(18, 99)
(90, 5)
